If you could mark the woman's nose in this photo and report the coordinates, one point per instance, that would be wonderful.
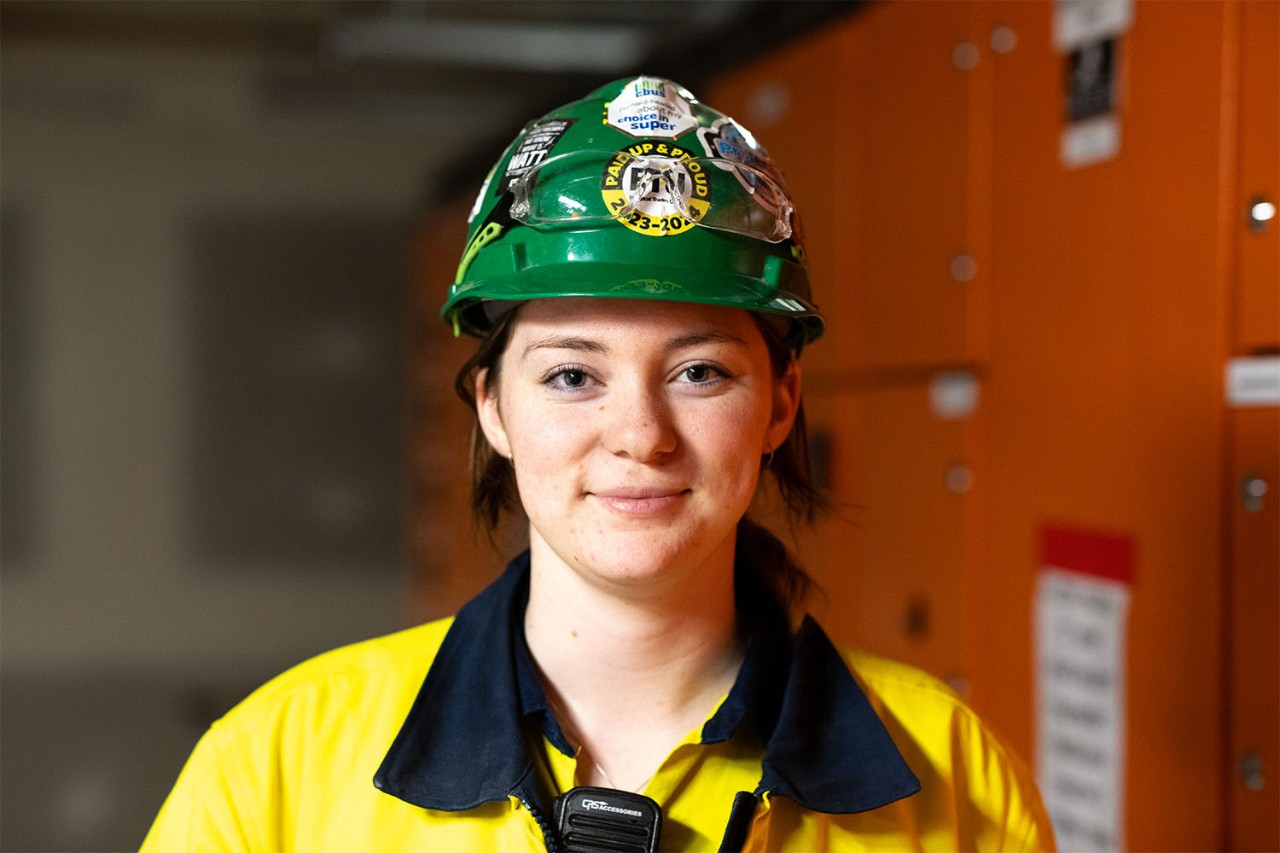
(638, 424)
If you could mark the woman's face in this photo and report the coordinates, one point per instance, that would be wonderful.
(637, 429)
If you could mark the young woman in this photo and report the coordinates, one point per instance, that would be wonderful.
(641, 678)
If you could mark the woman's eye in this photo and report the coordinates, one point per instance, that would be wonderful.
(567, 378)
(701, 373)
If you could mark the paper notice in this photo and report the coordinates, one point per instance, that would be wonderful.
(1082, 614)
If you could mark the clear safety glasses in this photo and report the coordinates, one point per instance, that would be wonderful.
(654, 192)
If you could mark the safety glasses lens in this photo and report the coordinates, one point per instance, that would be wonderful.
(594, 186)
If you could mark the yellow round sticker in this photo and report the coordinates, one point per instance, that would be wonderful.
(656, 188)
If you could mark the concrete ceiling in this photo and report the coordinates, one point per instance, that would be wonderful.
(483, 65)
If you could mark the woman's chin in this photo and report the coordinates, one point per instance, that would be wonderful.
(642, 561)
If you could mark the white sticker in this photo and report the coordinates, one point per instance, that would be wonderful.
(1090, 141)
(651, 106)
(953, 396)
(1082, 615)
(1077, 22)
(730, 145)
(1253, 382)
(476, 205)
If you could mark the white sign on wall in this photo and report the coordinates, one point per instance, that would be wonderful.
(1079, 22)
(1082, 613)
(1253, 381)
(1088, 32)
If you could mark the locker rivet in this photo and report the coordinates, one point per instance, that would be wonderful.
(1261, 212)
(916, 618)
(963, 268)
(1253, 493)
(965, 56)
(1003, 39)
(959, 479)
(1251, 771)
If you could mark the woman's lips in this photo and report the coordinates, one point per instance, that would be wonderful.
(640, 503)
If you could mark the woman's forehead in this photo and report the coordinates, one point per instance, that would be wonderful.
(632, 318)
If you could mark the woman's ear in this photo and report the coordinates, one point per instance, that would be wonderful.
(786, 402)
(490, 416)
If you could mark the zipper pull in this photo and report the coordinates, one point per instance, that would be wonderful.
(735, 831)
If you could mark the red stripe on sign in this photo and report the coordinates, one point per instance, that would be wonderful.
(1088, 552)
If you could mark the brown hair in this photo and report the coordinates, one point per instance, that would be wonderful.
(493, 483)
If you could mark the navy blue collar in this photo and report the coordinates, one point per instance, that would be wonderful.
(464, 742)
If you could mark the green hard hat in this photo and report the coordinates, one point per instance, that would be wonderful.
(636, 191)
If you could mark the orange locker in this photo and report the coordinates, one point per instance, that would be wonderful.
(1257, 312)
(880, 124)
(1106, 295)
(895, 559)
(1253, 815)
(829, 551)
(1252, 489)
(1109, 332)
(919, 270)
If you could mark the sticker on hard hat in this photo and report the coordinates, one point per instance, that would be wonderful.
(479, 202)
(534, 146)
(650, 106)
(731, 145)
(655, 188)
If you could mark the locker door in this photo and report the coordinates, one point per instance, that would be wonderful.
(1258, 245)
(830, 550)
(917, 276)
(904, 522)
(1254, 634)
(1253, 487)
(1103, 404)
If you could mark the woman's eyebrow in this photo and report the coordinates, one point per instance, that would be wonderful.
(566, 342)
(710, 336)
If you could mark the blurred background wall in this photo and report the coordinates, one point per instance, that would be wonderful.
(201, 399)
(230, 440)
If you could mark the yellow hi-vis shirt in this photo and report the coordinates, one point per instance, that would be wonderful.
(818, 749)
